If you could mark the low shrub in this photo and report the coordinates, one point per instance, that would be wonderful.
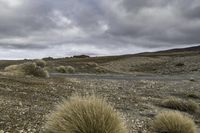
(92, 64)
(100, 70)
(29, 68)
(40, 63)
(61, 69)
(40, 72)
(70, 69)
(179, 104)
(84, 115)
(173, 122)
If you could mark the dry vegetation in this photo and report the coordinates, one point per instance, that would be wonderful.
(26, 100)
(173, 122)
(85, 115)
(180, 104)
(28, 68)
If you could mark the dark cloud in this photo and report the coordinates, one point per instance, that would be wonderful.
(107, 26)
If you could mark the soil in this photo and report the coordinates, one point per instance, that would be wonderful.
(25, 102)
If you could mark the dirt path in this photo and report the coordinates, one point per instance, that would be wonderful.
(129, 77)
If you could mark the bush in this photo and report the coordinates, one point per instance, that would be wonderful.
(92, 64)
(84, 115)
(70, 69)
(11, 68)
(179, 104)
(173, 122)
(100, 70)
(40, 72)
(28, 68)
(40, 63)
(61, 69)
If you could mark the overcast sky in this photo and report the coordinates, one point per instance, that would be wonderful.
(58, 28)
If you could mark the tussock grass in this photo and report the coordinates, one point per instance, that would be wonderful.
(61, 69)
(70, 69)
(173, 122)
(40, 72)
(40, 63)
(29, 68)
(179, 104)
(84, 115)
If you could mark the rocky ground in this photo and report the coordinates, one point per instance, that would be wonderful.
(25, 102)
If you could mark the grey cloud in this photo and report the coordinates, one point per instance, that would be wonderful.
(105, 24)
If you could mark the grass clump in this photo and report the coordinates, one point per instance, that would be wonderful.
(70, 69)
(179, 104)
(84, 115)
(61, 69)
(193, 95)
(40, 63)
(40, 72)
(173, 122)
(28, 68)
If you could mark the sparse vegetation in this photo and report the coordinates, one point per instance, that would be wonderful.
(85, 115)
(179, 104)
(29, 68)
(61, 69)
(173, 122)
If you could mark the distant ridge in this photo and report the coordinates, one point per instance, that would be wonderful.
(194, 48)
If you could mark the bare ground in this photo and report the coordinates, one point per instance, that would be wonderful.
(25, 102)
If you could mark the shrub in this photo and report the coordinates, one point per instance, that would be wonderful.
(61, 69)
(173, 122)
(92, 64)
(40, 72)
(84, 115)
(40, 63)
(70, 69)
(179, 104)
(11, 68)
(192, 95)
(100, 70)
(28, 68)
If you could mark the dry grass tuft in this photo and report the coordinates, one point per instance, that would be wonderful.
(70, 69)
(182, 105)
(40, 72)
(61, 69)
(84, 115)
(24, 69)
(173, 122)
(40, 63)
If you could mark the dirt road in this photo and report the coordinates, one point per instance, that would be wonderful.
(129, 77)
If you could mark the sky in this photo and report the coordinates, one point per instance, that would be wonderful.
(60, 28)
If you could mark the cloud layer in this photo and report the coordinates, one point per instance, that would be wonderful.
(38, 28)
